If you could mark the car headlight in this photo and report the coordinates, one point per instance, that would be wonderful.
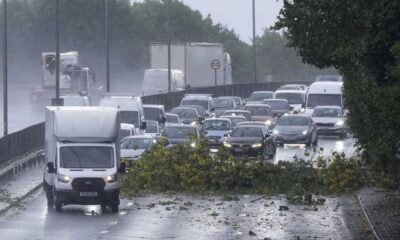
(339, 123)
(268, 122)
(64, 178)
(193, 144)
(256, 145)
(304, 132)
(302, 110)
(193, 123)
(275, 132)
(227, 145)
(112, 178)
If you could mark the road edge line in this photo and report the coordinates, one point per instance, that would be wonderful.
(20, 199)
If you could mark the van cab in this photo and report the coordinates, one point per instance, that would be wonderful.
(204, 100)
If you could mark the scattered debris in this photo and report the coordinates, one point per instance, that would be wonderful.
(283, 208)
(181, 208)
(188, 203)
(214, 214)
(251, 233)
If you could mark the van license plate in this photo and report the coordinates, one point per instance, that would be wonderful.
(88, 194)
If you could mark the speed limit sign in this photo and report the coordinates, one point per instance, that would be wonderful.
(215, 64)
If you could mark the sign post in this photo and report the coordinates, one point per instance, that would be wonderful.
(215, 65)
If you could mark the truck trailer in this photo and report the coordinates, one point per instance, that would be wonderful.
(194, 59)
(82, 157)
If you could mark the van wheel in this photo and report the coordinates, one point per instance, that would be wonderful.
(58, 206)
(114, 207)
(50, 198)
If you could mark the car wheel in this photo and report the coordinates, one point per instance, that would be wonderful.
(114, 207)
(315, 143)
(58, 206)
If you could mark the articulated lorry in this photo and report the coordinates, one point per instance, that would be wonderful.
(74, 79)
(194, 59)
(82, 157)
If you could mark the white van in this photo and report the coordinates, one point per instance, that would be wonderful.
(130, 108)
(204, 100)
(296, 98)
(76, 100)
(324, 94)
(155, 81)
(127, 130)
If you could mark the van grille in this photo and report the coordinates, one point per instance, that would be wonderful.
(88, 184)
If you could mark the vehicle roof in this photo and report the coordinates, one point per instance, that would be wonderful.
(180, 126)
(196, 97)
(252, 123)
(172, 114)
(217, 119)
(262, 92)
(257, 105)
(229, 97)
(255, 126)
(233, 116)
(154, 106)
(290, 91)
(127, 126)
(224, 97)
(337, 107)
(295, 115)
(193, 106)
(274, 100)
(236, 111)
(322, 87)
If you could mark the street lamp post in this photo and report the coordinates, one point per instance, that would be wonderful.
(107, 48)
(5, 71)
(57, 101)
(169, 45)
(254, 43)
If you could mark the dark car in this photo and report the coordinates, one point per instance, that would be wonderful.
(234, 119)
(296, 129)
(258, 96)
(278, 106)
(238, 101)
(223, 104)
(200, 109)
(188, 115)
(244, 113)
(172, 118)
(252, 141)
(178, 134)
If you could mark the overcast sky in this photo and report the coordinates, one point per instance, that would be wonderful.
(237, 14)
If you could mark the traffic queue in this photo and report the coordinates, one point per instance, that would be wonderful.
(255, 126)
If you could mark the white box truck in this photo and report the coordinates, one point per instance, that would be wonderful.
(82, 157)
(194, 59)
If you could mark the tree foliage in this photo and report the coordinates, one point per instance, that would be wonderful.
(361, 39)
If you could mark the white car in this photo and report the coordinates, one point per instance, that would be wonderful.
(133, 147)
(330, 120)
(152, 128)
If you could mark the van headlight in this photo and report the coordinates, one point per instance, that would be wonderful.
(304, 132)
(112, 178)
(193, 123)
(64, 178)
(256, 145)
(275, 132)
(302, 110)
(193, 144)
(268, 122)
(227, 145)
(339, 123)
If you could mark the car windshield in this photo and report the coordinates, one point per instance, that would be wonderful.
(130, 117)
(216, 125)
(258, 110)
(223, 103)
(259, 96)
(327, 112)
(172, 119)
(151, 113)
(277, 105)
(180, 132)
(292, 98)
(247, 132)
(324, 100)
(203, 103)
(235, 121)
(237, 101)
(124, 133)
(151, 127)
(184, 112)
(86, 157)
(293, 121)
(136, 143)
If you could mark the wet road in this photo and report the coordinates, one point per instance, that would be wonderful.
(178, 217)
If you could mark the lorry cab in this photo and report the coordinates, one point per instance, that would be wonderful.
(130, 108)
(324, 94)
(155, 81)
(204, 100)
(82, 157)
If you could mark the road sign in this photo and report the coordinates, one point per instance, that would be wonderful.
(215, 64)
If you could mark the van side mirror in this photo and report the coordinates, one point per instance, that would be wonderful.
(51, 168)
(163, 119)
(122, 168)
(143, 126)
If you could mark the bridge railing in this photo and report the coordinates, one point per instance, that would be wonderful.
(30, 139)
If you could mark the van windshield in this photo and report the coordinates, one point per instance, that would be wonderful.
(151, 113)
(203, 103)
(324, 100)
(293, 98)
(130, 117)
(86, 157)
